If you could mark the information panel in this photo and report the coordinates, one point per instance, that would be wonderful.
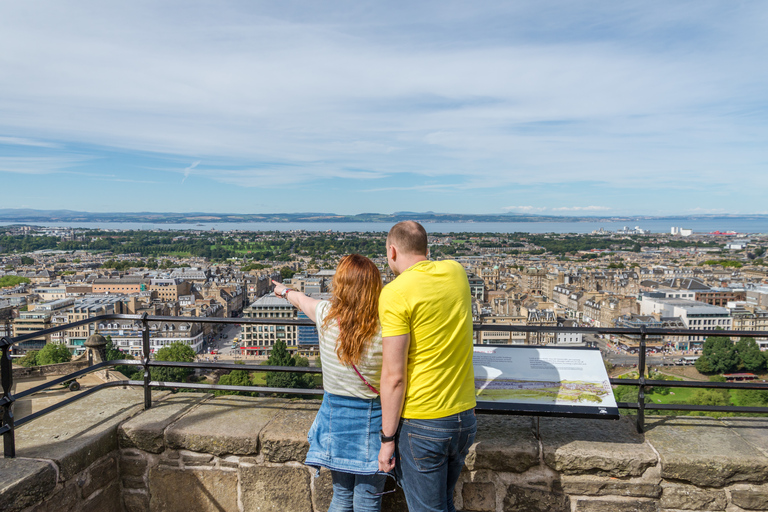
(546, 381)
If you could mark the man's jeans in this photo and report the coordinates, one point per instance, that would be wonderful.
(430, 458)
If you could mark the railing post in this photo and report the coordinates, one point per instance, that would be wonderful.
(145, 349)
(9, 441)
(641, 387)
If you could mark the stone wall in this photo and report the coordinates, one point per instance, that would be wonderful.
(33, 372)
(196, 452)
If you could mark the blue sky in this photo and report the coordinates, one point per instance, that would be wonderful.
(555, 107)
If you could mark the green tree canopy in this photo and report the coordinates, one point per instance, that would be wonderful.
(176, 351)
(26, 260)
(13, 281)
(236, 378)
(718, 356)
(114, 354)
(710, 397)
(279, 356)
(751, 359)
(750, 397)
(29, 359)
(54, 353)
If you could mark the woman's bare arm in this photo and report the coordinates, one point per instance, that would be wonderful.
(298, 299)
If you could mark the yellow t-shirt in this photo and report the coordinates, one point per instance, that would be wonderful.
(431, 301)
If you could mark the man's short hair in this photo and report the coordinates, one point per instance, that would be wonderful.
(409, 237)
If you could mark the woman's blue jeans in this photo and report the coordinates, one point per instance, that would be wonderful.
(431, 455)
(358, 493)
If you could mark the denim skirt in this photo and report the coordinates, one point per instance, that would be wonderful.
(345, 435)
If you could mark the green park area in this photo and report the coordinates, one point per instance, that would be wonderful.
(12, 281)
(720, 356)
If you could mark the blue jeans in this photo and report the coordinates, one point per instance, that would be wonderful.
(430, 458)
(356, 492)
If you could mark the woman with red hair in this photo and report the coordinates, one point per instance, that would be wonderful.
(345, 434)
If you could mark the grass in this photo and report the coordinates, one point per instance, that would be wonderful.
(681, 395)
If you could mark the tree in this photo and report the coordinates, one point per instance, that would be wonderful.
(629, 394)
(29, 359)
(26, 260)
(176, 351)
(13, 281)
(279, 356)
(704, 365)
(719, 355)
(751, 358)
(115, 354)
(235, 378)
(750, 397)
(710, 397)
(54, 353)
(286, 273)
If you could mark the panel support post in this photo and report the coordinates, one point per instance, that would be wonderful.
(641, 387)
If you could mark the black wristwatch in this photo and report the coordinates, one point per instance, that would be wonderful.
(386, 439)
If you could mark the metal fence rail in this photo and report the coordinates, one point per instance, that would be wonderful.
(8, 423)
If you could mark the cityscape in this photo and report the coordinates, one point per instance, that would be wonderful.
(627, 278)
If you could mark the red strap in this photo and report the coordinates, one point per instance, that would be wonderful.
(363, 378)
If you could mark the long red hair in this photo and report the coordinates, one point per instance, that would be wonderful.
(355, 306)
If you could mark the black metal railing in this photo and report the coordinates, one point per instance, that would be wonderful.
(9, 423)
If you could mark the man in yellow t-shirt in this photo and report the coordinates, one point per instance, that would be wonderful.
(427, 381)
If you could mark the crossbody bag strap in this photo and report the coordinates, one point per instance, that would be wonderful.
(363, 379)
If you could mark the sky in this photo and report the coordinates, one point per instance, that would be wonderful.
(537, 107)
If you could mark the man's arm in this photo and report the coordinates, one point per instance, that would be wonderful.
(392, 388)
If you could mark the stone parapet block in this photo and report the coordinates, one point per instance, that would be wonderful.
(750, 497)
(275, 488)
(689, 497)
(100, 475)
(284, 439)
(182, 490)
(526, 499)
(25, 482)
(601, 447)
(754, 431)
(224, 425)
(77, 435)
(146, 431)
(615, 505)
(704, 452)
(503, 443)
(590, 485)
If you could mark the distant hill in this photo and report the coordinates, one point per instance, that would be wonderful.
(36, 216)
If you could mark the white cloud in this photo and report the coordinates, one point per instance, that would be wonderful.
(20, 141)
(37, 165)
(524, 208)
(581, 209)
(189, 169)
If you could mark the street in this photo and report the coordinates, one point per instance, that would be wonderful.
(620, 358)
(223, 341)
